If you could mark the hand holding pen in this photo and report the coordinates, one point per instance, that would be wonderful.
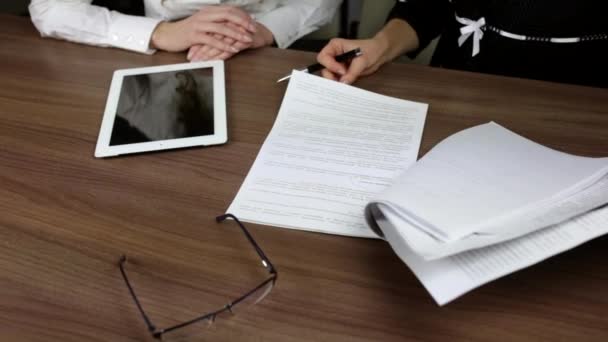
(342, 58)
(373, 55)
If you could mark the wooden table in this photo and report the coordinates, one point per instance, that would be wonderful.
(66, 217)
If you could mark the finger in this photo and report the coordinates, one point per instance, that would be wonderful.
(207, 39)
(237, 44)
(329, 75)
(224, 55)
(239, 28)
(201, 53)
(210, 53)
(224, 30)
(357, 66)
(327, 56)
(193, 51)
(231, 14)
(213, 54)
(242, 46)
(226, 40)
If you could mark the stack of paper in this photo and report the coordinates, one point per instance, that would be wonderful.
(450, 277)
(486, 202)
(486, 185)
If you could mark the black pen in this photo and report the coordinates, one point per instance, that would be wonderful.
(339, 58)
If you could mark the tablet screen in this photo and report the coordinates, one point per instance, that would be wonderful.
(163, 106)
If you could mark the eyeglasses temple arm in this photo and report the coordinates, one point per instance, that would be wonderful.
(266, 262)
(151, 326)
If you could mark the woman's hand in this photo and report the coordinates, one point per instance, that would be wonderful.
(261, 37)
(207, 52)
(204, 27)
(397, 37)
(368, 62)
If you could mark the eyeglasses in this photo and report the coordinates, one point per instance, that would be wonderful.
(252, 297)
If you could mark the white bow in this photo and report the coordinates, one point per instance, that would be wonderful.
(471, 27)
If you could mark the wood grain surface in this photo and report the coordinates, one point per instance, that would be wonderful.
(66, 217)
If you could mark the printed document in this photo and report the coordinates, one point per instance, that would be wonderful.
(481, 204)
(486, 202)
(450, 277)
(333, 148)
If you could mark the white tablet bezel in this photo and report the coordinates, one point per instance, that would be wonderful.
(220, 136)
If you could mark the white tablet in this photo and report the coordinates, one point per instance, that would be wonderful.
(164, 107)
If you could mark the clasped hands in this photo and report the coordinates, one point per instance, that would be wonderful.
(214, 32)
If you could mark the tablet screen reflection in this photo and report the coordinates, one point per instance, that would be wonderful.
(163, 106)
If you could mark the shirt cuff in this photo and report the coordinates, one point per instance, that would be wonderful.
(283, 25)
(132, 32)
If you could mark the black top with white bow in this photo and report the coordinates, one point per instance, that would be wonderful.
(555, 40)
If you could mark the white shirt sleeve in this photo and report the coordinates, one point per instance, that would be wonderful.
(79, 21)
(295, 18)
